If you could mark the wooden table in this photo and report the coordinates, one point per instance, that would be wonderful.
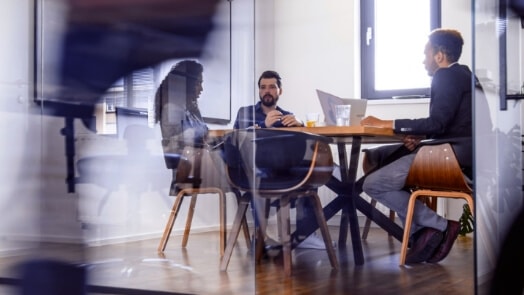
(372, 134)
(348, 189)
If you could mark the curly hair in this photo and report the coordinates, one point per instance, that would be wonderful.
(187, 68)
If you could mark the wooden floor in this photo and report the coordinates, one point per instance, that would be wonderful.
(195, 270)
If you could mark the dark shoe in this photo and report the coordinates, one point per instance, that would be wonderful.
(414, 237)
(425, 245)
(272, 248)
(450, 235)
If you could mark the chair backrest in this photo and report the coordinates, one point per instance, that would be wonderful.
(277, 159)
(435, 167)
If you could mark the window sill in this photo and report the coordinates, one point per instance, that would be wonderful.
(398, 101)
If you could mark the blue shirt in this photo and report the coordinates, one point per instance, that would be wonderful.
(245, 117)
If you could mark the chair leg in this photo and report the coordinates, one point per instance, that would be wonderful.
(392, 218)
(283, 214)
(245, 227)
(235, 231)
(279, 226)
(432, 203)
(222, 213)
(245, 230)
(267, 210)
(259, 244)
(321, 220)
(260, 229)
(189, 219)
(407, 227)
(367, 225)
(411, 209)
(171, 221)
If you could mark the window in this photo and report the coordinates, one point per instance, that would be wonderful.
(393, 35)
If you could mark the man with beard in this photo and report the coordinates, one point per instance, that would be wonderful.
(266, 114)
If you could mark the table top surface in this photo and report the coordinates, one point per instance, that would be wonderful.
(341, 132)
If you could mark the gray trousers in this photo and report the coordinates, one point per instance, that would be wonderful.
(386, 186)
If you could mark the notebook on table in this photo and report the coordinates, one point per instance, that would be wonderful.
(329, 102)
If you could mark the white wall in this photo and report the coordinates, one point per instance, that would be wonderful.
(314, 46)
(21, 148)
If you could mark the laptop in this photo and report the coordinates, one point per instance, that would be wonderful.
(329, 101)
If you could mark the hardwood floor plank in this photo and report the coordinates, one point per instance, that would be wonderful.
(195, 269)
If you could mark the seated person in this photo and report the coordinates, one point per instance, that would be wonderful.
(183, 128)
(450, 119)
(266, 114)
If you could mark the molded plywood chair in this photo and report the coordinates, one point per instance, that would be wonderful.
(435, 173)
(187, 182)
(272, 163)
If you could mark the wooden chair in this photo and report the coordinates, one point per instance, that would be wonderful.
(187, 183)
(287, 165)
(435, 173)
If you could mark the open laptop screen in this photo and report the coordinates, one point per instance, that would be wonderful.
(329, 102)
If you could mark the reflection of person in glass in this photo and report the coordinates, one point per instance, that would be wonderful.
(103, 41)
(187, 150)
(176, 107)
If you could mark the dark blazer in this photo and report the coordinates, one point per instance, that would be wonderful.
(450, 112)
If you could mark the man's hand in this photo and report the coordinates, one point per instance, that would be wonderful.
(272, 117)
(291, 121)
(287, 120)
(411, 141)
(376, 122)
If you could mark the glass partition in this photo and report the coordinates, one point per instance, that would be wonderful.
(77, 191)
(498, 64)
(88, 174)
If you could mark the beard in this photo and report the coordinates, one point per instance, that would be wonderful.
(432, 68)
(268, 100)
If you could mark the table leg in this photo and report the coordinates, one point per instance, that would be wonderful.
(348, 200)
(348, 174)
